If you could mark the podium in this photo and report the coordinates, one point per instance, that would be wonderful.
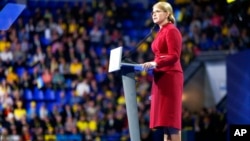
(128, 80)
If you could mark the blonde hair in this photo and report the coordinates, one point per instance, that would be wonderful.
(165, 6)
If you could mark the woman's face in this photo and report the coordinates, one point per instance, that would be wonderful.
(158, 15)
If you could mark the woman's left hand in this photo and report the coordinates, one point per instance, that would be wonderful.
(149, 65)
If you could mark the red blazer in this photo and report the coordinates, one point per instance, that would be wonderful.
(167, 48)
(167, 87)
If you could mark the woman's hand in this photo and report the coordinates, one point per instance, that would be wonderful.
(148, 65)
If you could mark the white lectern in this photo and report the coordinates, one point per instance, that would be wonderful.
(128, 81)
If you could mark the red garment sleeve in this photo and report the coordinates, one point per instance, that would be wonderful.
(174, 48)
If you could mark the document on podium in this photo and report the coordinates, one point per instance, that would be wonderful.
(9, 14)
(115, 59)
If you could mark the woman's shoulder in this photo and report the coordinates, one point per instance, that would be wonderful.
(168, 29)
(170, 26)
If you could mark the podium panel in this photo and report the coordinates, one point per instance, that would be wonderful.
(128, 81)
(128, 71)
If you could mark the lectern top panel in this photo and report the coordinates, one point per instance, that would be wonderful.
(115, 59)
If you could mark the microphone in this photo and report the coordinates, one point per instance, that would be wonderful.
(125, 57)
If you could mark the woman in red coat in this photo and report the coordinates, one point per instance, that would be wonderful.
(167, 86)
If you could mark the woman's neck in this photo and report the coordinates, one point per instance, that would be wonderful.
(164, 23)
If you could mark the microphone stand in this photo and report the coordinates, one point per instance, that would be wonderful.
(125, 57)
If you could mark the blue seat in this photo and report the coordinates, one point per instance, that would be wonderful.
(49, 95)
(45, 41)
(12, 1)
(74, 137)
(139, 6)
(27, 94)
(98, 51)
(32, 4)
(61, 137)
(133, 34)
(27, 105)
(20, 71)
(38, 94)
(136, 14)
(57, 95)
(26, 13)
(60, 100)
(39, 105)
(50, 105)
(127, 24)
(30, 70)
(113, 137)
(60, 3)
(42, 4)
(68, 83)
(144, 32)
(68, 93)
(52, 4)
(118, 2)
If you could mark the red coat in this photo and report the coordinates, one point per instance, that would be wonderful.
(167, 86)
